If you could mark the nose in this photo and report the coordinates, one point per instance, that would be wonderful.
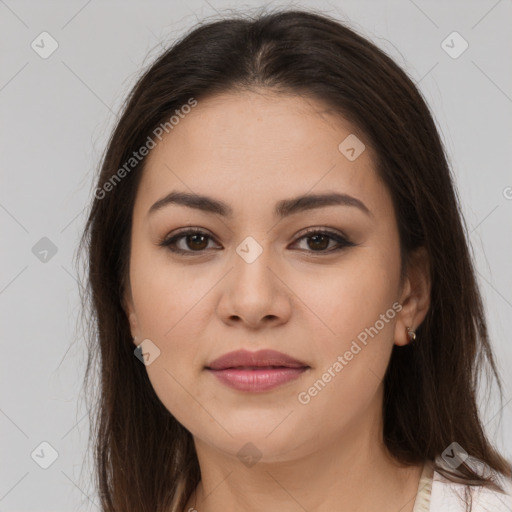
(254, 294)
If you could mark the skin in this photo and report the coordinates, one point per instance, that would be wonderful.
(250, 150)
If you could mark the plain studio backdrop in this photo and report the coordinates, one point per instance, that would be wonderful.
(66, 67)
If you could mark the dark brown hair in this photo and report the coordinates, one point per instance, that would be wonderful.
(145, 460)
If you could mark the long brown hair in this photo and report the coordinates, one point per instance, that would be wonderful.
(145, 460)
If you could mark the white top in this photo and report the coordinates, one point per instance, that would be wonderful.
(438, 494)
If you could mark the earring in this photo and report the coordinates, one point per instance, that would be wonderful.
(411, 333)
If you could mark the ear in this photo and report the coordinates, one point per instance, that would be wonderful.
(128, 306)
(415, 295)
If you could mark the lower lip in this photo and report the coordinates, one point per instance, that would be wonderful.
(257, 380)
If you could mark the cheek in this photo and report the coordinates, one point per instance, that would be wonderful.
(351, 363)
(166, 296)
(169, 311)
(172, 311)
(350, 297)
(353, 328)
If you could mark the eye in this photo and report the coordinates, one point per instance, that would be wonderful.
(321, 238)
(196, 241)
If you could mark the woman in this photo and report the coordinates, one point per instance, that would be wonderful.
(286, 310)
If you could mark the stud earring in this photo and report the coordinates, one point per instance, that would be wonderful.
(411, 333)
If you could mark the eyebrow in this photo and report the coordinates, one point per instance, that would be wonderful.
(282, 209)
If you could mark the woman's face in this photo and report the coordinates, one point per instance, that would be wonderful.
(255, 279)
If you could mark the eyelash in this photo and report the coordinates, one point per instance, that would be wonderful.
(342, 241)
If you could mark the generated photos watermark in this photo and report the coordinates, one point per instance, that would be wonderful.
(304, 397)
(144, 150)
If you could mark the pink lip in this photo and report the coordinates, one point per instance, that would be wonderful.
(256, 371)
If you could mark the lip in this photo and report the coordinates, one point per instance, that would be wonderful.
(241, 358)
(256, 371)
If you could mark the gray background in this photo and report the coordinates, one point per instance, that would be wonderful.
(56, 114)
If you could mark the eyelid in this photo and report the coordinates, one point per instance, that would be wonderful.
(323, 230)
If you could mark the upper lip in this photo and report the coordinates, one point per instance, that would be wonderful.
(240, 358)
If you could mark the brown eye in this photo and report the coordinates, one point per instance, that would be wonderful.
(319, 240)
(196, 241)
(187, 242)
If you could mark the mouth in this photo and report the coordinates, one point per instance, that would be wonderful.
(256, 371)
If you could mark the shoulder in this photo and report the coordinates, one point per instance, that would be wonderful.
(449, 496)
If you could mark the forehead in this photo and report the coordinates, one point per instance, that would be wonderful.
(258, 145)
